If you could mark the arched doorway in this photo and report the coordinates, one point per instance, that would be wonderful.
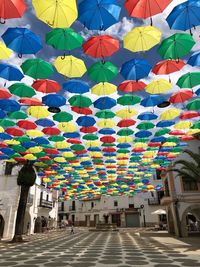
(190, 222)
(2, 223)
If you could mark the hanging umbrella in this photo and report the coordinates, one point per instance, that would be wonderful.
(30, 101)
(189, 80)
(38, 112)
(10, 72)
(34, 133)
(98, 14)
(7, 123)
(9, 105)
(151, 101)
(194, 60)
(10, 9)
(135, 69)
(56, 14)
(4, 94)
(107, 131)
(107, 139)
(176, 46)
(145, 125)
(4, 51)
(168, 66)
(89, 129)
(64, 39)
(126, 113)
(158, 87)
(104, 89)
(22, 41)
(25, 124)
(126, 123)
(170, 114)
(85, 111)
(67, 127)
(181, 96)
(162, 124)
(14, 131)
(46, 86)
(63, 116)
(182, 125)
(80, 101)
(143, 134)
(184, 16)
(189, 115)
(131, 86)
(102, 71)
(76, 86)
(70, 66)
(85, 121)
(163, 131)
(51, 131)
(147, 116)
(18, 115)
(128, 100)
(21, 90)
(101, 46)
(105, 103)
(45, 122)
(125, 132)
(37, 68)
(106, 123)
(142, 38)
(105, 114)
(194, 105)
(54, 100)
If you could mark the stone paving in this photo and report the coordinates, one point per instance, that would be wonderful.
(96, 249)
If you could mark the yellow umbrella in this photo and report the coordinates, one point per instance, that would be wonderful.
(67, 127)
(183, 125)
(68, 155)
(40, 164)
(126, 113)
(61, 145)
(4, 51)
(70, 66)
(1, 129)
(125, 139)
(104, 89)
(158, 87)
(60, 159)
(38, 112)
(92, 143)
(36, 149)
(29, 157)
(170, 114)
(106, 123)
(34, 133)
(168, 144)
(140, 145)
(57, 14)
(12, 142)
(193, 131)
(142, 38)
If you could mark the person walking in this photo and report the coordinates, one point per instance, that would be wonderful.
(72, 228)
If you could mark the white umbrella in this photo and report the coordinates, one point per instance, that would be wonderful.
(159, 212)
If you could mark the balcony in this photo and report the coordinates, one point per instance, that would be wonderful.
(153, 201)
(46, 204)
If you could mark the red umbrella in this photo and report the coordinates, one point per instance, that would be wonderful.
(131, 86)
(89, 129)
(14, 131)
(52, 151)
(21, 159)
(138, 150)
(10, 9)
(107, 139)
(187, 138)
(4, 94)
(101, 46)
(85, 111)
(51, 131)
(181, 96)
(189, 115)
(31, 101)
(80, 152)
(145, 8)
(46, 86)
(126, 123)
(109, 149)
(154, 144)
(74, 141)
(168, 66)
(28, 125)
(3, 144)
(176, 132)
(46, 158)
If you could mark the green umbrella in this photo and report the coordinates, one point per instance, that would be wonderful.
(135, 159)
(15, 155)
(176, 46)
(102, 71)
(176, 150)
(80, 101)
(40, 154)
(56, 138)
(163, 131)
(63, 116)
(125, 132)
(105, 114)
(123, 151)
(145, 125)
(90, 137)
(196, 125)
(189, 80)
(194, 105)
(128, 100)
(173, 139)
(37, 68)
(7, 123)
(18, 115)
(19, 148)
(77, 147)
(141, 140)
(64, 39)
(21, 90)
(152, 149)
(108, 144)
(23, 139)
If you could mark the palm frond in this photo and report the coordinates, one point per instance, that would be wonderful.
(194, 156)
(188, 175)
(189, 165)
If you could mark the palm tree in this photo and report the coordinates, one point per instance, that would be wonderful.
(188, 169)
(26, 178)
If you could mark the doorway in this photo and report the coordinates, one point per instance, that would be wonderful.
(2, 223)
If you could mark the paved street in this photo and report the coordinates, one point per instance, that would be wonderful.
(96, 249)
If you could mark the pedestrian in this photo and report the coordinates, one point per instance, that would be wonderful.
(72, 229)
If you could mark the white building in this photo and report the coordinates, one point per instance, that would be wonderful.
(41, 211)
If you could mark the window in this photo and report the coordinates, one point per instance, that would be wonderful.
(131, 206)
(115, 203)
(47, 198)
(92, 205)
(62, 206)
(189, 185)
(167, 193)
(73, 205)
(158, 175)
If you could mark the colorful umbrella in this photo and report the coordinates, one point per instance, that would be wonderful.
(10, 9)
(63, 116)
(126, 123)
(76, 86)
(9, 105)
(54, 100)
(189, 80)
(85, 121)
(17, 115)
(189, 115)
(168, 66)
(170, 114)
(142, 38)
(194, 105)
(30, 101)
(151, 101)
(80, 101)
(27, 125)
(145, 125)
(125, 132)
(105, 103)
(46, 86)
(105, 114)
(194, 60)
(45, 122)
(126, 113)
(158, 87)
(98, 15)
(38, 112)
(181, 96)
(85, 111)
(147, 116)
(131, 86)
(104, 89)
(4, 51)
(10, 72)
(4, 94)
(128, 100)
(21, 90)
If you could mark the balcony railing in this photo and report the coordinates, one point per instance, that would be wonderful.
(46, 204)
(153, 201)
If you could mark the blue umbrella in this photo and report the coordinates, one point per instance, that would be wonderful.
(72, 135)
(10, 72)
(151, 101)
(3, 157)
(158, 139)
(135, 69)
(197, 92)
(109, 154)
(41, 140)
(54, 100)
(2, 114)
(105, 103)
(99, 14)
(85, 121)
(45, 122)
(22, 40)
(76, 86)
(94, 149)
(147, 116)
(29, 144)
(8, 151)
(163, 124)
(194, 60)
(108, 131)
(9, 105)
(185, 16)
(124, 145)
(142, 134)
(5, 136)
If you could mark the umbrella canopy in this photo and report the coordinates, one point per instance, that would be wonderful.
(128, 100)
(70, 66)
(142, 38)
(46, 86)
(63, 116)
(80, 101)
(104, 103)
(21, 90)
(151, 101)
(126, 113)
(10, 72)
(85, 111)
(105, 114)
(181, 96)
(9, 105)
(189, 80)
(4, 51)
(189, 115)
(56, 14)
(98, 14)
(4, 94)
(147, 116)
(101, 46)
(194, 60)
(176, 46)
(145, 125)
(170, 114)
(30, 101)
(158, 87)
(104, 89)
(10, 9)
(131, 86)
(194, 105)
(168, 66)
(125, 132)
(45, 122)
(25, 124)
(76, 86)
(135, 69)
(22, 40)
(54, 100)
(64, 39)
(85, 121)
(38, 112)
(102, 71)
(37, 68)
